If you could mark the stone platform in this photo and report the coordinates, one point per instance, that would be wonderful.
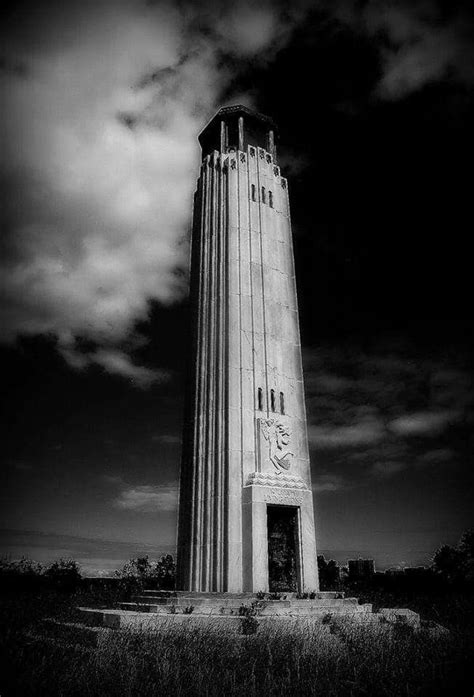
(154, 609)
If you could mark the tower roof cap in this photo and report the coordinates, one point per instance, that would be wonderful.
(237, 110)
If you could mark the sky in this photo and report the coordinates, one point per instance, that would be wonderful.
(374, 102)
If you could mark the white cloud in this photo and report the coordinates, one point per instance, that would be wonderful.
(148, 499)
(421, 43)
(328, 482)
(423, 48)
(167, 438)
(437, 456)
(114, 361)
(101, 160)
(423, 423)
(23, 466)
(248, 28)
(111, 479)
(366, 431)
(327, 382)
(96, 232)
(387, 468)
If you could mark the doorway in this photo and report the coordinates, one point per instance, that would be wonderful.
(283, 546)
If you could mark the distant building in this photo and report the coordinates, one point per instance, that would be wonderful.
(415, 570)
(395, 571)
(361, 568)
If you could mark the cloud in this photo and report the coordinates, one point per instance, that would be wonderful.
(419, 42)
(328, 382)
(23, 466)
(366, 431)
(423, 46)
(111, 479)
(148, 498)
(387, 469)
(424, 423)
(328, 482)
(451, 389)
(114, 361)
(371, 413)
(390, 449)
(248, 28)
(101, 160)
(167, 438)
(436, 456)
(104, 102)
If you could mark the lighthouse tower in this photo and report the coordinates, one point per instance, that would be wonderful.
(246, 518)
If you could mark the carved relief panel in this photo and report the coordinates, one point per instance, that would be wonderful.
(275, 441)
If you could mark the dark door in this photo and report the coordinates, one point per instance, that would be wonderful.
(282, 524)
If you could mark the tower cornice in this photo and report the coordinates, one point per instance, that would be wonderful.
(237, 126)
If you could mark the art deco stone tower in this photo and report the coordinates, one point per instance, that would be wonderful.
(246, 506)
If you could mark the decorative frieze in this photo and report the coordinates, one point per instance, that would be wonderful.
(284, 481)
(283, 497)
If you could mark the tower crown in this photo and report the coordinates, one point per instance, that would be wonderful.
(238, 127)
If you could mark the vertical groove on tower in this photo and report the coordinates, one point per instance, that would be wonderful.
(225, 401)
(264, 333)
(204, 480)
(204, 434)
(199, 252)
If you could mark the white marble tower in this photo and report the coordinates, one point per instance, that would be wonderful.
(245, 460)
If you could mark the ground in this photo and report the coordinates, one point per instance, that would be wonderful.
(337, 658)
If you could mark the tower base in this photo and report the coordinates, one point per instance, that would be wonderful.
(278, 550)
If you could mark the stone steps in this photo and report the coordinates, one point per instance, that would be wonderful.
(230, 604)
(96, 625)
(183, 601)
(265, 609)
(231, 620)
(320, 595)
(129, 619)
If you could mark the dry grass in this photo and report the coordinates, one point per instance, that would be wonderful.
(339, 658)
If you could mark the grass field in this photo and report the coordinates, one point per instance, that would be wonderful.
(337, 658)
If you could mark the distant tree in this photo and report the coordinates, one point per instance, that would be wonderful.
(322, 565)
(329, 573)
(466, 548)
(166, 572)
(332, 573)
(142, 572)
(135, 568)
(456, 564)
(447, 562)
(65, 574)
(21, 567)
